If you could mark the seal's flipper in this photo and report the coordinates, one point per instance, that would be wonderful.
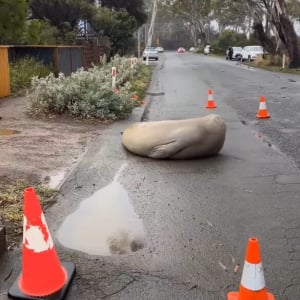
(165, 150)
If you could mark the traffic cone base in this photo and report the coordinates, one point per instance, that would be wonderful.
(16, 293)
(236, 296)
(211, 104)
(263, 115)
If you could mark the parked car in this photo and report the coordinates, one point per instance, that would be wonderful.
(160, 49)
(236, 53)
(181, 50)
(207, 49)
(251, 52)
(151, 53)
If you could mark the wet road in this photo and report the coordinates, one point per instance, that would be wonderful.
(196, 215)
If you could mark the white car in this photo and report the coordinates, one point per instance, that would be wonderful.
(236, 53)
(160, 49)
(251, 52)
(151, 53)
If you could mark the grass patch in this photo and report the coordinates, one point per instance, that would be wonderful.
(276, 68)
(11, 207)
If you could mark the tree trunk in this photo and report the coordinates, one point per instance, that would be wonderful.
(287, 33)
(263, 38)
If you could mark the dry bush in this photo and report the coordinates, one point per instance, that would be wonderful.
(271, 60)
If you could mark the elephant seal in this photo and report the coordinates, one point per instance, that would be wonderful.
(176, 139)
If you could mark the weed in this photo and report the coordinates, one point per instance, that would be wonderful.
(21, 72)
(11, 206)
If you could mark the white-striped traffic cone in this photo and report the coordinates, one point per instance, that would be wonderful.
(252, 285)
(262, 111)
(210, 101)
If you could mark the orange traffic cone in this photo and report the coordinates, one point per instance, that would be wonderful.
(42, 274)
(262, 111)
(252, 285)
(210, 101)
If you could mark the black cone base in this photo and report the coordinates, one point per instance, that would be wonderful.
(16, 293)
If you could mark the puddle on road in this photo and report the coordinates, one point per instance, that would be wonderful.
(104, 224)
(8, 131)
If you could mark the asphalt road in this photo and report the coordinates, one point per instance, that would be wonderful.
(197, 214)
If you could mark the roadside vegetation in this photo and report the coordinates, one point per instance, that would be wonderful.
(22, 71)
(88, 94)
(273, 63)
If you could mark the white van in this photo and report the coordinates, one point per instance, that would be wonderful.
(251, 52)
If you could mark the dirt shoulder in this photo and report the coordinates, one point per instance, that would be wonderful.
(36, 152)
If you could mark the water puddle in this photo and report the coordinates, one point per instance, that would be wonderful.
(104, 224)
(8, 131)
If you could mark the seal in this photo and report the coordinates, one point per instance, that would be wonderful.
(176, 139)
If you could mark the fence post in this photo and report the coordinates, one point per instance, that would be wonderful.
(283, 61)
(113, 75)
(4, 73)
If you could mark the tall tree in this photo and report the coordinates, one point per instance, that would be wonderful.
(195, 15)
(134, 8)
(230, 15)
(63, 14)
(286, 32)
(13, 14)
(118, 26)
(276, 12)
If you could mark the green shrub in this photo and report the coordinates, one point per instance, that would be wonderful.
(85, 94)
(229, 38)
(22, 71)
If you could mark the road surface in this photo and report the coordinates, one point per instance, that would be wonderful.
(197, 215)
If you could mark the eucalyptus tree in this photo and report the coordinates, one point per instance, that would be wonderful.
(62, 14)
(13, 15)
(230, 15)
(118, 26)
(135, 8)
(276, 12)
(195, 16)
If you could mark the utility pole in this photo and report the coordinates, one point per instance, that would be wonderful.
(152, 24)
(139, 42)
